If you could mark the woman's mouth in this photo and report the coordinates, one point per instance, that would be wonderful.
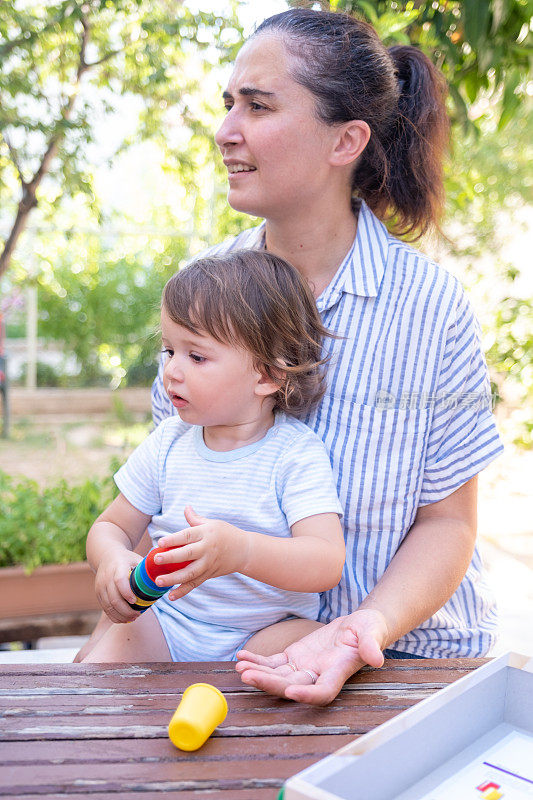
(239, 169)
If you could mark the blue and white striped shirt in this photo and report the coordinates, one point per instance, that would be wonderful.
(406, 420)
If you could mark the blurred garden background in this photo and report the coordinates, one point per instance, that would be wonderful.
(110, 181)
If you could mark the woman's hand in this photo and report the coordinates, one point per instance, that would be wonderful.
(215, 548)
(112, 586)
(333, 653)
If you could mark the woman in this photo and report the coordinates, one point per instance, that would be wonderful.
(327, 134)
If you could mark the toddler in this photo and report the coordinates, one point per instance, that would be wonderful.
(234, 482)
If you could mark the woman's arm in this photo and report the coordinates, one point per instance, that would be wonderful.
(430, 563)
(421, 577)
(309, 561)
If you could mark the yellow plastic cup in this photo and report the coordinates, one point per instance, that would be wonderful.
(201, 709)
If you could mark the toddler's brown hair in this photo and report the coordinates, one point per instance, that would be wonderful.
(256, 300)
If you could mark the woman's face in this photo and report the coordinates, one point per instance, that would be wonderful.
(274, 147)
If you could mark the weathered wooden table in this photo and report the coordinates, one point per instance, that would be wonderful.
(100, 731)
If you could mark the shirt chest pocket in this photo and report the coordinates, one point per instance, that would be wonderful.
(378, 455)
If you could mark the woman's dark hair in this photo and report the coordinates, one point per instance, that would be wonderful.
(396, 91)
(255, 300)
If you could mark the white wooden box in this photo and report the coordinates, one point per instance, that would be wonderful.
(438, 749)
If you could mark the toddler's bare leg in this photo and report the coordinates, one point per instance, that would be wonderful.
(138, 641)
(102, 626)
(104, 623)
(277, 637)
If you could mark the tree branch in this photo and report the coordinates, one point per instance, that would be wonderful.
(104, 58)
(8, 46)
(14, 158)
(29, 188)
(82, 66)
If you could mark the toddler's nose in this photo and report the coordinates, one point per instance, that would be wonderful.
(174, 371)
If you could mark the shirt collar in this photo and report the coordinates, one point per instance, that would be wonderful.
(362, 269)
(258, 241)
(365, 263)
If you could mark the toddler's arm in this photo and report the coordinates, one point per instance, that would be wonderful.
(111, 540)
(309, 561)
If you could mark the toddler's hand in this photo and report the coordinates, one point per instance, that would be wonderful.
(215, 548)
(112, 586)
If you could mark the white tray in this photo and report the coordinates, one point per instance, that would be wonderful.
(444, 738)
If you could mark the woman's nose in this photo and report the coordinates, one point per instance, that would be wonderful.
(229, 132)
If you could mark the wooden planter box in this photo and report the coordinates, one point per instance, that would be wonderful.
(57, 599)
(52, 589)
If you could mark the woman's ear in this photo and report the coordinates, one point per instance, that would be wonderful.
(352, 139)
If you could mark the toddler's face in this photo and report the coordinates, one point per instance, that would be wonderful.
(210, 383)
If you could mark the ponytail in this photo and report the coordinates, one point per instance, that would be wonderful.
(401, 176)
(397, 92)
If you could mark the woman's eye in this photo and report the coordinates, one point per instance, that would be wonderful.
(196, 358)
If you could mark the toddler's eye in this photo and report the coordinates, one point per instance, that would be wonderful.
(196, 358)
(168, 352)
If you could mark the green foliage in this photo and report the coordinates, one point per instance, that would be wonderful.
(48, 526)
(488, 188)
(99, 296)
(511, 359)
(15, 328)
(483, 47)
(104, 307)
(46, 375)
(64, 66)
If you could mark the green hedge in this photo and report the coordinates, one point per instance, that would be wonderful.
(48, 526)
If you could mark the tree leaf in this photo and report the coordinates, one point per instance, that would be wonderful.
(476, 16)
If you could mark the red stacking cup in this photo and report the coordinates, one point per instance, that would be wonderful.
(154, 569)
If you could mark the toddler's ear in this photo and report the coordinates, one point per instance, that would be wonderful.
(266, 385)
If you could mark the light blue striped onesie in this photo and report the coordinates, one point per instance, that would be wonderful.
(265, 487)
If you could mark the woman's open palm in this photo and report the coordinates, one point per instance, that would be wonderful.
(331, 653)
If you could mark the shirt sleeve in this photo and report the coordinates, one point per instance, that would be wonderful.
(305, 482)
(161, 405)
(138, 478)
(463, 438)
